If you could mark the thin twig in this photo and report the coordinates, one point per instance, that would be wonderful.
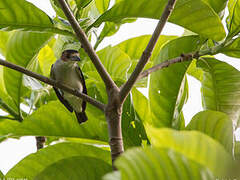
(86, 45)
(148, 51)
(54, 83)
(182, 58)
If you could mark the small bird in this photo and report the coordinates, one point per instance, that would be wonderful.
(67, 71)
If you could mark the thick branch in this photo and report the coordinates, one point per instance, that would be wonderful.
(86, 45)
(148, 51)
(182, 58)
(46, 80)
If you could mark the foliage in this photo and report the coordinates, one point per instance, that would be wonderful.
(158, 142)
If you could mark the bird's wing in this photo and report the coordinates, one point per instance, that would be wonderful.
(59, 93)
(84, 86)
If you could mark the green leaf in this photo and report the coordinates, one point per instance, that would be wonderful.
(141, 106)
(237, 150)
(23, 15)
(215, 124)
(109, 29)
(218, 5)
(233, 19)
(102, 5)
(132, 127)
(232, 49)
(61, 123)
(84, 168)
(115, 61)
(134, 47)
(220, 88)
(46, 58)
(195, 146)
(160, 163)
(22, 48)
(4, 36)
(35, 163)
(82, 3)
(200, 17)
(167, 99)
(1, 175)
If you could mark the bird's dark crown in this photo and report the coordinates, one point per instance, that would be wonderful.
(66, 55)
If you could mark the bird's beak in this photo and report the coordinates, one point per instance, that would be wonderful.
(76, 58)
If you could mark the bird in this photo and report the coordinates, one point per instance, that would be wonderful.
(66, 71)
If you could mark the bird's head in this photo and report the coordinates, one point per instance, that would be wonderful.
(71, 56)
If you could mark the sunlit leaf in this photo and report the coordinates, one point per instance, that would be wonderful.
(220, 88)
(160, 163)
(195, 146)
(233, 20)
(200, 18)
(168, 87)
(215, 124)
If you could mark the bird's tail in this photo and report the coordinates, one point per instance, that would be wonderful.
(81, 117)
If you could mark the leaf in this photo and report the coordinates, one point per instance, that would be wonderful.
(55, 120)
(102, 5)
(233, 19)
(200, 17)
(141, 106)
(84, 168)
(237, 150)
(134, 47)
(114, 60)
(220, 88)
(194, 145)
(218, 5)
(232, 49)
(132, 127)
(46, 58)
(109, 29)
(22, 47)
(22, 15)
(167, 99)
(215, 124)
(1, 175)
(35, 163)
(160, 163)
(4, 36)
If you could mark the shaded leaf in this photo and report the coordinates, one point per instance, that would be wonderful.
(220, 88)
(195, 146)
(35, 163)
(132, 127)
(215, 124)
(54, 120)
(218, 5)
(84, 168)
(200, 17)
(22, 48)
(167, 99)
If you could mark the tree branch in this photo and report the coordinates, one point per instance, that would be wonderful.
(126, 88)
(86, 45)
(54, 83)
(182, 58)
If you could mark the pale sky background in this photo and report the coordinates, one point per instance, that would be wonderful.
(12, 150)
